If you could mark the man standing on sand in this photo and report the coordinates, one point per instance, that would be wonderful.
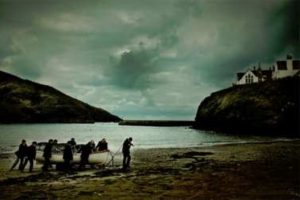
(47, 155)
(126, 153)
(86, 150)
(68, 156)
(21, 154)
(31, 154)
(72, 142)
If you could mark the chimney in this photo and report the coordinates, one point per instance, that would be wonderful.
(259, 68)
(289, 57)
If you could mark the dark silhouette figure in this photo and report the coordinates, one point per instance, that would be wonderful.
(102, 145)
(47, 155)
(55, 146)
(92, 145)
(72, 142)
(21, 154)
(68, 156)
(126, 153)
(31, 154)
(86, 150)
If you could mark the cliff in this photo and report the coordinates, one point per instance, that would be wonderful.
(266, 108)
(23, 101)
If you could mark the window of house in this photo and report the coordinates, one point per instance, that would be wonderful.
(281, 65)
(296, 64)
(249, 79)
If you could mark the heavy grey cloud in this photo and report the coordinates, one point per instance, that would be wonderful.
(134, 69)
(142, 58)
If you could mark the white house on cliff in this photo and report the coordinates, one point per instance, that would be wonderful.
(282, 68)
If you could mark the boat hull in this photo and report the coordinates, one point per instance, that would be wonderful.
(94, 158)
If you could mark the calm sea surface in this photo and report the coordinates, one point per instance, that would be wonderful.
(143, 137)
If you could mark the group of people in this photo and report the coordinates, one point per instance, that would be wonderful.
(27, 154)
(70, 148)
(24, 155)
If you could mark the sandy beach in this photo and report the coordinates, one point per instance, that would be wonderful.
(239, 171)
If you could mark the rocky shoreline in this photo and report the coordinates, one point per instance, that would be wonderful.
(240, 171)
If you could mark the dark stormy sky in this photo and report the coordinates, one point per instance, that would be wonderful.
(144, 59)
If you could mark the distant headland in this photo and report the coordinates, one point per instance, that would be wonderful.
(156, 123)
(24, 101)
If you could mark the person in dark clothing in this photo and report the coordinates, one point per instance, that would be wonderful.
(102, 145)
(126, 153)
(47, 155)
(72, 142)
(21, 154)
(68, 156)
(86, 150)
(55, 146)
(92, 145)
(31, 154)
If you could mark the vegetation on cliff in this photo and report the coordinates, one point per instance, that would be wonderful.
(23, 101)
(263, 108)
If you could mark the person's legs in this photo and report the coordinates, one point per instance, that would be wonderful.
(46, 164)
(24, 164)
(67, 166)
(124, 161)
(49, 164)
(83, 162)
(128, 161)
(30, 165)
(22, 159)
(15, 163)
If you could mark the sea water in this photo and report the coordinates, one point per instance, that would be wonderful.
(143, 136)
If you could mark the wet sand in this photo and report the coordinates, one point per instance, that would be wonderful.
(240, 171)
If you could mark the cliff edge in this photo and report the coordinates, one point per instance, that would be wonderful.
(266, 108)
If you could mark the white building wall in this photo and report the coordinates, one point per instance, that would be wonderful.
(284, 73)
(243, 81)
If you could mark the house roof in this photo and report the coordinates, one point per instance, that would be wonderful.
(266, 74)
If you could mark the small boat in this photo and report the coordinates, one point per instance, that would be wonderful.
(97, 157)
